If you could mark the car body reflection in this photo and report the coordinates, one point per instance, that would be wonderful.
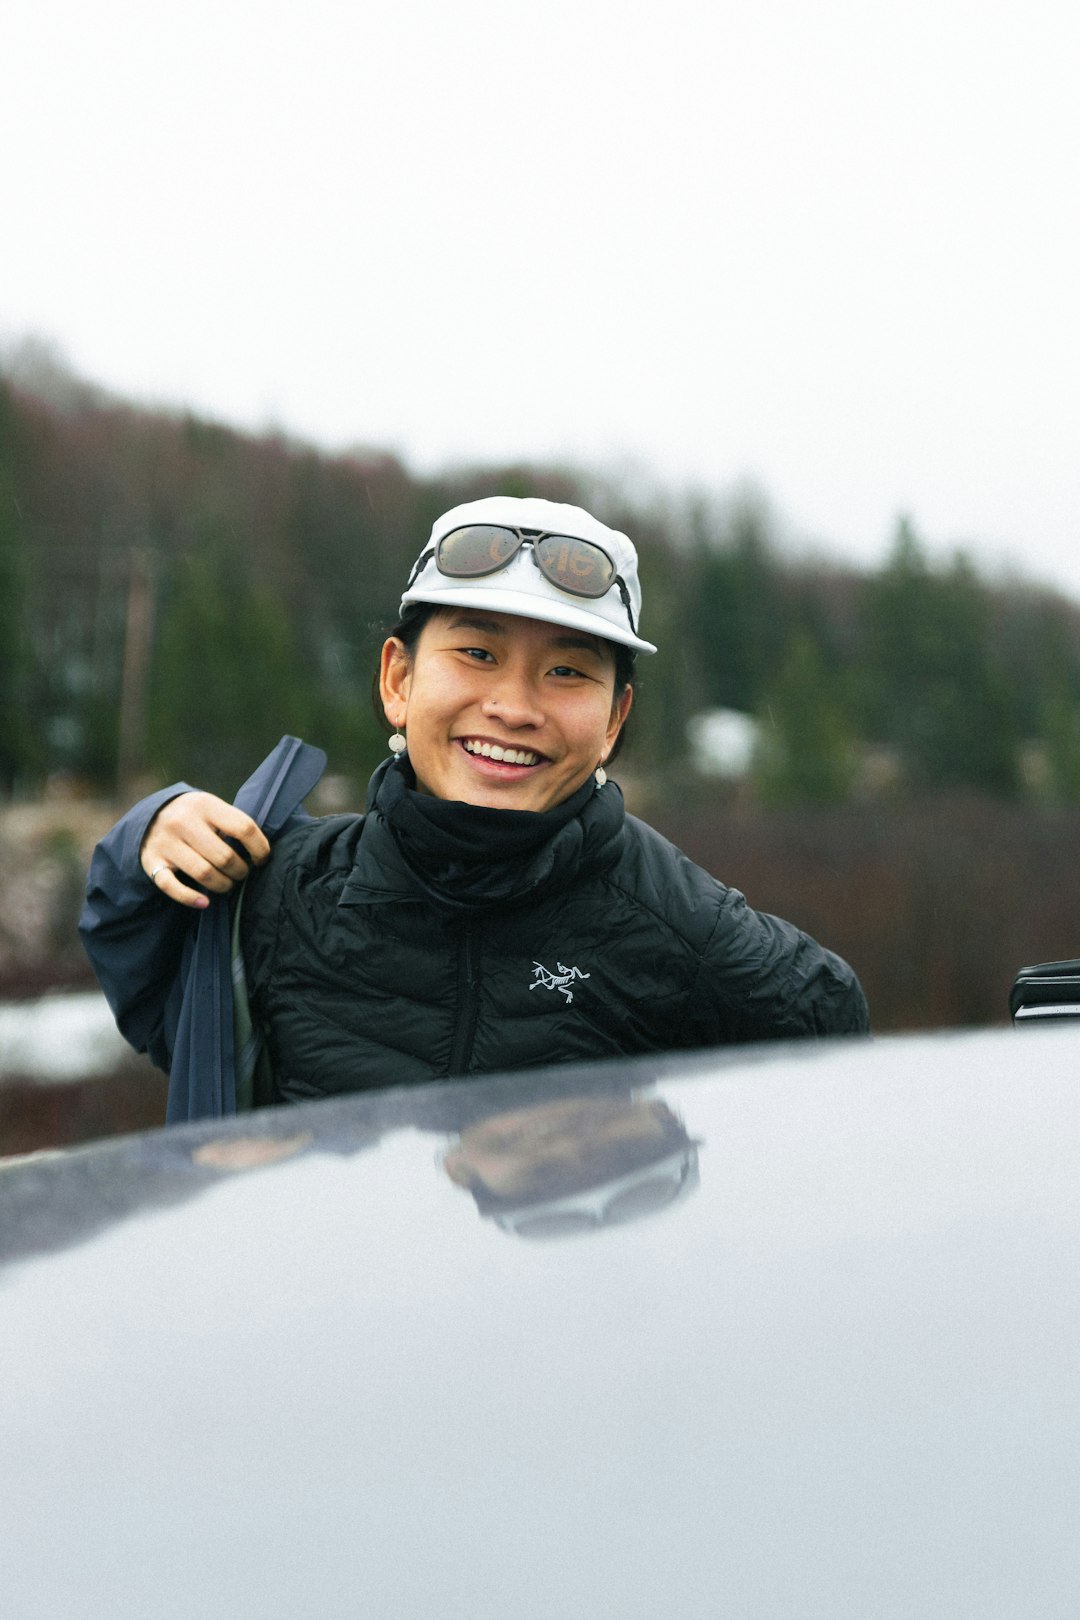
(314, 1362)
(550, 1166)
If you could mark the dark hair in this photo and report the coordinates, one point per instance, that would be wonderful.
(411, 624)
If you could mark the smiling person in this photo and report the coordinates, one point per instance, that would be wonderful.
(494, 908)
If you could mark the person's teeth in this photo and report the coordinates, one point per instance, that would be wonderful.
(509, 756)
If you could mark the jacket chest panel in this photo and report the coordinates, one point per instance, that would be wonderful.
(580, 957)
(386, 993)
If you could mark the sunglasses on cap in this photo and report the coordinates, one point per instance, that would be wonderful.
(641, 1192)
(579, 567)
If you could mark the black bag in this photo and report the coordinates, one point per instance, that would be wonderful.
(1047, 990)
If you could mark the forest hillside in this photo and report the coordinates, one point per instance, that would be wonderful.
(175, 594)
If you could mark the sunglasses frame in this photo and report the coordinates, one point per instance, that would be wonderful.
(595, 1209)
(533, 538)
(527, 537)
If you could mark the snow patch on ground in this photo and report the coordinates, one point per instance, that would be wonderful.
(63, 1037)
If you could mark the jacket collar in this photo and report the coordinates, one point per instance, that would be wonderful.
(515, 857)
(379, 872)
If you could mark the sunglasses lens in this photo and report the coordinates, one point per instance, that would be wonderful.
(566, 1223)
(573, 565)
(576, 566)
(642, 1199)
(482, 548)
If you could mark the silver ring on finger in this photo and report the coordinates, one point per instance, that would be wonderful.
(163, 867)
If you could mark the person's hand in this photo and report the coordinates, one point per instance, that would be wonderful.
(188, 836)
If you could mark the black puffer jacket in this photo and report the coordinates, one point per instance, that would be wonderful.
(425, 940)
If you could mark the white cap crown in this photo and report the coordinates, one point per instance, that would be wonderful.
(520, 588)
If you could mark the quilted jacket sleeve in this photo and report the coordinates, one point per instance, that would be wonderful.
(763, 979)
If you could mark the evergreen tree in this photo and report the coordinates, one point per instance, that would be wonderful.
(1058, 715)
(227, 679)
(934, 689)
(806, 751)
(737, 613)
(18, 750)
(1061, 741)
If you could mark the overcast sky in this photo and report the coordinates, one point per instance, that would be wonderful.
(829, 246)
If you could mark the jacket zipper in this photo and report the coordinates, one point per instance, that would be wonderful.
(468, 1004)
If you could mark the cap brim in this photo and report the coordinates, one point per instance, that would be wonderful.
(550, 609)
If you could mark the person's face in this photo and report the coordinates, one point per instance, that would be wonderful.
(514, 1152)
(483, 685)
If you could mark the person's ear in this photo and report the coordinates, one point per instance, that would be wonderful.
(619, 712)
(395, 675)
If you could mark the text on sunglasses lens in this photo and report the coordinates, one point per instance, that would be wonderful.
(575, 565)
(578, 566)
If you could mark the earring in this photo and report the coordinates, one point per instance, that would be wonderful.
(601, 776)
(398, 745)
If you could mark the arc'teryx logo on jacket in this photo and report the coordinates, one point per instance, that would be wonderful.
(562, 980)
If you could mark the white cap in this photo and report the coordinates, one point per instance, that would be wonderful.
(521, 588)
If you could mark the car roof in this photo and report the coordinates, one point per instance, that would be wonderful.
(284, 1364)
